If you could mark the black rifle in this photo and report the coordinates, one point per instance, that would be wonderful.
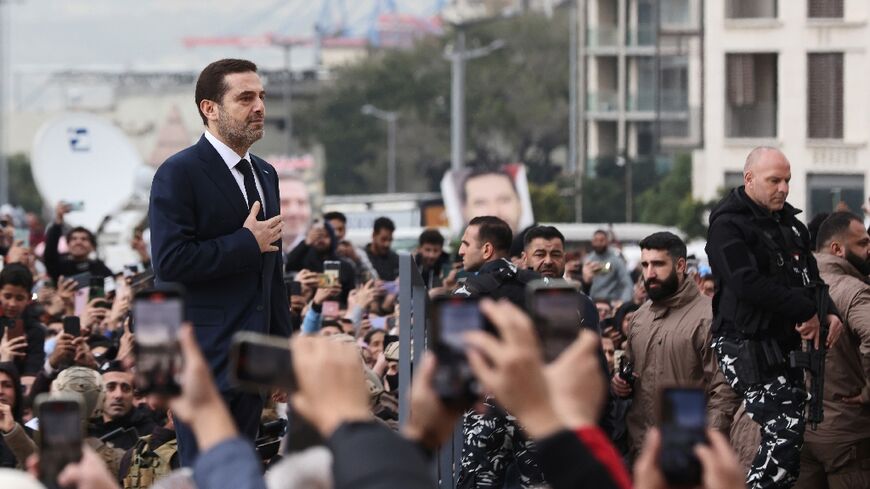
(813, 359)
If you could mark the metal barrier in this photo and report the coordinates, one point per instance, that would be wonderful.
(413, 300)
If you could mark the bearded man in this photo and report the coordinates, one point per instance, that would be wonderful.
(216, 229)
(669, 342)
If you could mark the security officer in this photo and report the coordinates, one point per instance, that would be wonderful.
(493, 440)
(764, 305)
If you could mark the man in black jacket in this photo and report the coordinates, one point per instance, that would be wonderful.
(81, 243)
(118, 410)
(764, 305)
(318, 246)
(493, 439)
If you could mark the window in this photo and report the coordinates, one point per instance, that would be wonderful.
(751, 97)
(826, 192)
(825, 95)
(825, 9)
(750, 9)
(733, 179)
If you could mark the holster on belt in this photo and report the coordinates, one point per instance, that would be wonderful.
(757, 361)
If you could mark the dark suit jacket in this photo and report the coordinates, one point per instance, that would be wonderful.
(197, 240)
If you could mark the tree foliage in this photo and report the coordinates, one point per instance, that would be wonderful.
(22, 189)
(516, 108)
(670, 201)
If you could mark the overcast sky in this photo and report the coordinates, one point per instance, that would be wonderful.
(147, 34)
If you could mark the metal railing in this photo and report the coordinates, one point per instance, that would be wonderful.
(413, 301)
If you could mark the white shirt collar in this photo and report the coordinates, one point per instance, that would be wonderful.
(231, 159)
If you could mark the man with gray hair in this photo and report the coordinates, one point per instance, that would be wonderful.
(765, 304)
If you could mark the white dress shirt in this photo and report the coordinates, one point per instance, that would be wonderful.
(232, 159)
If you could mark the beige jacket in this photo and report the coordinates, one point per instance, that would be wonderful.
(847, 365)
(669, 345)
(21, 445)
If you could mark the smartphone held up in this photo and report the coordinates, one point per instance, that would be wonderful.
(158, 314)
(682, 421)
(450, 318)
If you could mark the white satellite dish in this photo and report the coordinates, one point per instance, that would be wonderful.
(83, 158)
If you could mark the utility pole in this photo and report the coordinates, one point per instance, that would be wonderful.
(288, 98)
(458, 56)
(390, 118)
(578, 44)
(4, 164)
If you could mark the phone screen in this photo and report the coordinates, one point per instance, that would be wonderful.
(455, 318)
(558, 310)
(450, 319)
(61, 434)
(158, 317)
(260, 361)
(333, 269)
(682, 422)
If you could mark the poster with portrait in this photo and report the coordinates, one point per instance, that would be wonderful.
(502, 192)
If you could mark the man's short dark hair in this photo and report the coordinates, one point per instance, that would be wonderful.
(335, 216)
(494, 231)
(18, 275)
(383, 223)
(601, 231)
(545, 232)
(834, 226)
(479, 172)
(665, 241)
(431, 236)
(212, 85)
(80, 229)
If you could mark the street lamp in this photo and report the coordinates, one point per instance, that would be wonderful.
(390, 118)
(458, 56)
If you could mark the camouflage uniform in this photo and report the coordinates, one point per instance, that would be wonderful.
(778, 406)
(492, 441)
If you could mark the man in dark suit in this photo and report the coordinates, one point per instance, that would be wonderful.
(216, 229)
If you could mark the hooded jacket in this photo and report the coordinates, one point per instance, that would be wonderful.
(16, 445)
(762, 264)
(304, 257)
(847, 364)
(669, 344)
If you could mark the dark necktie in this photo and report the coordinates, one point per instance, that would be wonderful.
(251, 193)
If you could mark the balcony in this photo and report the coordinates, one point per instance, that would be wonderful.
(606, 101)
(669, 101)
(641, 36)
(602, 37)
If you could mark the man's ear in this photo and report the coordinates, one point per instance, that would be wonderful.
(523, 259)
(681, 265)
(209, 108)
(488, 251)
(836, 248)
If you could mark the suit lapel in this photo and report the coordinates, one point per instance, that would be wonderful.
(265, 176)
(218, 172)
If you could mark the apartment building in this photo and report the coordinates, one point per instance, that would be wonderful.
(791, 74)
(643, 79)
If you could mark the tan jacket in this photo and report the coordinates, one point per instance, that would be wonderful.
(21, 445)
(847, 365)
(669, 344)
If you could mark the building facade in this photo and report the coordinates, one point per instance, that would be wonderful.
(643, 79)
(791, 74)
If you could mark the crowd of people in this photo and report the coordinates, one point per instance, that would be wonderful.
(594, 413)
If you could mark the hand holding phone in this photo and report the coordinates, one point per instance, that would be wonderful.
(61, 434)
(450, 318)
(158, 314)
(555, 306)
(259, 362)
(682, 422)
